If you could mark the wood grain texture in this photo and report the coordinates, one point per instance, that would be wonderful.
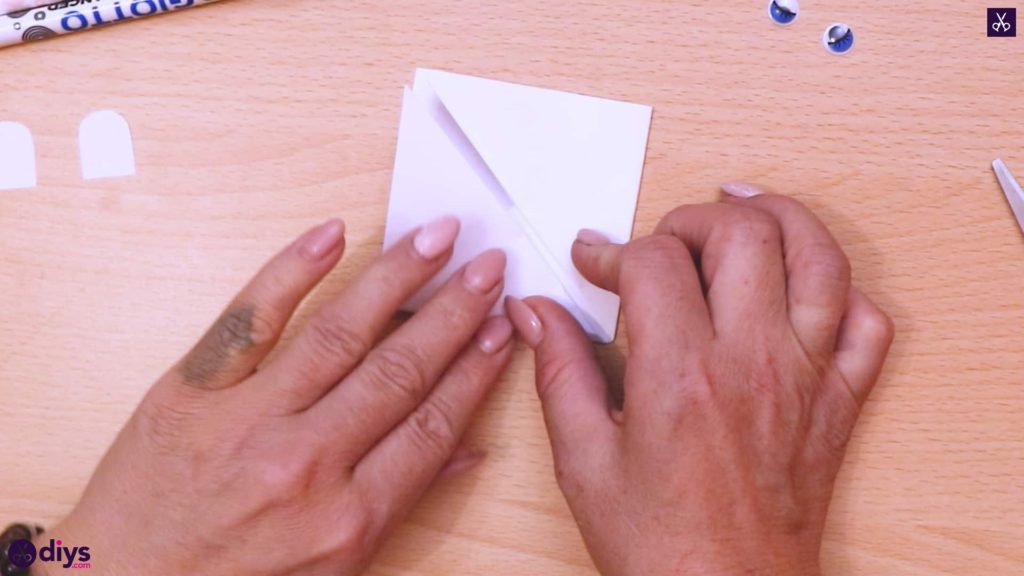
(255, 119)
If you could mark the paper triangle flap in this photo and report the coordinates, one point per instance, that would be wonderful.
(553, 150)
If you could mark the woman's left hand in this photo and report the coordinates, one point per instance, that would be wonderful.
(236, 463)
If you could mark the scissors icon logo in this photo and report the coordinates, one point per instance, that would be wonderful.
(1002, 22)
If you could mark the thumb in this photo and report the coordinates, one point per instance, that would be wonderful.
(570, 384)
(598, 259)
(865, 336)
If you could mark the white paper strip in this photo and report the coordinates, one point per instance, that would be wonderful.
(17, 157)
(105, 145)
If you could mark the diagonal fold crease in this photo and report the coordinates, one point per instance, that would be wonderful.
(450, 126)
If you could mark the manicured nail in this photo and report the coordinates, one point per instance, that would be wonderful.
(484, 272)
(525, 320)
(592, 238)
(494, 334)
(741, 190)
(322, 240)
(436, 238)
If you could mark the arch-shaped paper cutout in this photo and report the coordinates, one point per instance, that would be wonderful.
(17, 157)
(105, 145)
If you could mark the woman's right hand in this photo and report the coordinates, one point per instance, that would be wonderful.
(750, 355)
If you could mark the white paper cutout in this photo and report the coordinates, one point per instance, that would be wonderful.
(105, 145)
(524, 169)
(17, 157)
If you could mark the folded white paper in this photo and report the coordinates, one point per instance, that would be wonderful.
(524, 169)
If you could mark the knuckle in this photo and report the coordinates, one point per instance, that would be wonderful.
(555, 373)
(230, 335)
(397, 369)
(332, 336)
(752, 227)
(433, 430)
(696, 389)
(685, 399)
(233, 330)
(457, 312)
(351, 533)
(471, 375)
(275, 280)
(263, 328)
(880, 327)
(288, 476)
(824, 261)
(655, 251)
(783, 204)
(674, 217)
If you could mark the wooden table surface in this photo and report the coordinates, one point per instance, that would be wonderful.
(254, 119)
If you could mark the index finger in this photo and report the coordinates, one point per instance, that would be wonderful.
(667, 320)
(662, 297)
(340, 334)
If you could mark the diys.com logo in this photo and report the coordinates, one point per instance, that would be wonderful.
(23, 553)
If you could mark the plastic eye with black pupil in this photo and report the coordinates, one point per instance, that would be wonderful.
(784, 12)
(838, 38)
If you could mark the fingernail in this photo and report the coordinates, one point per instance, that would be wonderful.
(592, 238)
(436, 238)
(741, 190)
(494, 334)
(484, 272)
(322, 240)
(525, 320)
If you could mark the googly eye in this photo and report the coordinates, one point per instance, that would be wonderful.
(784, 12)
(838, 38)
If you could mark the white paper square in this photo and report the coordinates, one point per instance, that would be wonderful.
(524, 169)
